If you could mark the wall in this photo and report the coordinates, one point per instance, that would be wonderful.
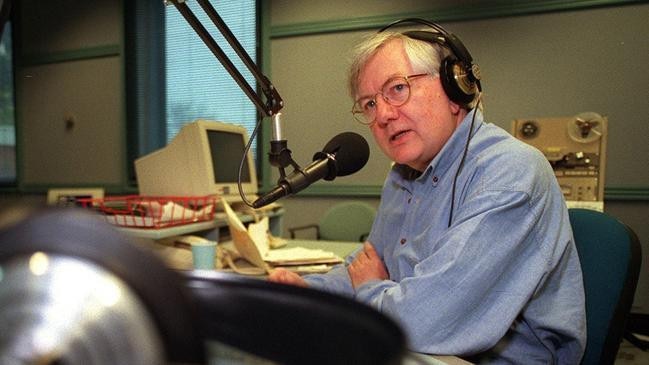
(70, 94)
(546, 64)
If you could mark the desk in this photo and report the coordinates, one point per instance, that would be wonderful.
(181, 258)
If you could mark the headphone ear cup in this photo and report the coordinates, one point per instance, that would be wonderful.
(455, 82)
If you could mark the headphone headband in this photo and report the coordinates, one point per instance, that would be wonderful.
(460, 76)
(425, 22)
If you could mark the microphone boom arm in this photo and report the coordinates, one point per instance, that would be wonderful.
(279, 155)
(274, 102)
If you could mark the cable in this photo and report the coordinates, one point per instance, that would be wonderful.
(243, 161)
(459, 168)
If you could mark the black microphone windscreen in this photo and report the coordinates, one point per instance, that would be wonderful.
(351, 151)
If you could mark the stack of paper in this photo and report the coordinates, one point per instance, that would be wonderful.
(253, 245)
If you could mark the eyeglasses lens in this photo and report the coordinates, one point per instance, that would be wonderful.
(395, 92)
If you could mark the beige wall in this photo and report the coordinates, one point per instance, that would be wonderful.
(70, 94)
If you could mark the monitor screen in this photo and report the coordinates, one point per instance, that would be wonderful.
(202, 159)
(226, 149)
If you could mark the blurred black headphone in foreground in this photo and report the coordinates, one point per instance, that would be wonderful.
(459, 75)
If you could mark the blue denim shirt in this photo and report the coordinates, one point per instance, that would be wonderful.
(501, 284)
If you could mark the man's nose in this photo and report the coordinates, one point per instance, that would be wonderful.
(385, 112)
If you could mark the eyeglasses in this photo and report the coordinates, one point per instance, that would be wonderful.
(395, 91)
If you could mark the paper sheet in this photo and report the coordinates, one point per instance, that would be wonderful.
(171, 211)
(248, 243)
(298, 255)
(253, 244)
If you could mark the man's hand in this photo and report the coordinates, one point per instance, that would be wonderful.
(284, 276)
(367, 265)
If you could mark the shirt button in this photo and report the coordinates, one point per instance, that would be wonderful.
(409, 200)
(435, 179)
(403, 241)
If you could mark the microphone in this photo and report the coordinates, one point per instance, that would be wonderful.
(343, 155)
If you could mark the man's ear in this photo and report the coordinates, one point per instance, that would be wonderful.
(455, 108)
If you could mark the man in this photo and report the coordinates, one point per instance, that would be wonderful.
(472, 250)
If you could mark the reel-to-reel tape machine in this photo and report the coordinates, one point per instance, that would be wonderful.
(576, 149)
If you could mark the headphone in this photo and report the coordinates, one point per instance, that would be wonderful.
(459, 75)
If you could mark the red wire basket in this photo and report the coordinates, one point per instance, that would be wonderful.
(135, 211)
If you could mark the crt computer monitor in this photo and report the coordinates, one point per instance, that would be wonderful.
(202, 159)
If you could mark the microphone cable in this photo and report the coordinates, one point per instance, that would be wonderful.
(464, 153)
(243, 162)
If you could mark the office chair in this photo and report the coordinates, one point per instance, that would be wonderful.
(610, 254)
(346, 221)
(637, 324)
